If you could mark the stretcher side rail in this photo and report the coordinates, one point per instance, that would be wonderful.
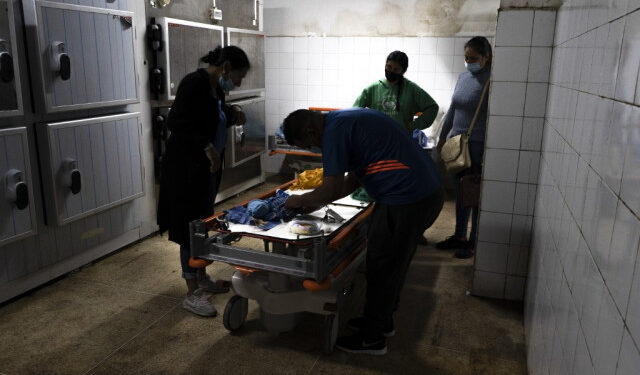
(310, 261)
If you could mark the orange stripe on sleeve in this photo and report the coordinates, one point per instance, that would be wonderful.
(387, 169)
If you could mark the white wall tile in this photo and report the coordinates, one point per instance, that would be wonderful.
(521, 230)
(498, 197)
(531, 133)
(272, 107)
(458, 49)
(286, 76)
(528, 167)
(628, 68)
(285, 60)
(316, 45)
(286, 45)
(427, 63)
(444, 63)
(301, 45)
(272, 60)
(543, 28)
(504, 132)
(315, 61)
(300, 92)
(507, 98)
(539, 64)
(445, 46)
(514, 28)
(517, 260)
(361, 45)
(500, 165)
(629, 361)
(331, 45)
(511, 64)
(315, 95)
(300, 60)
(428, 45)
(330, 61)
(487, 284)
(494, 227)
(272, 44)
(536, 100)
(286, 92)
(491, 257)
(346, 45)
(379, 46)
(514, 289)
(411, 46)
(525, 196)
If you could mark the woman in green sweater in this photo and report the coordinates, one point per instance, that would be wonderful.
(400, 98)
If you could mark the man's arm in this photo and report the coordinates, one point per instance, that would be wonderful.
(332, 188)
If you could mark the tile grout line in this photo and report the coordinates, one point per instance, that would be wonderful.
(130, 340)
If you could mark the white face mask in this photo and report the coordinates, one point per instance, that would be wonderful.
(473, 67)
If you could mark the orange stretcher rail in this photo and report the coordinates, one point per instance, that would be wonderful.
(297, 153)
(323, 109)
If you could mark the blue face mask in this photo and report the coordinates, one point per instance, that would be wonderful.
(226, 84)
(473, 67)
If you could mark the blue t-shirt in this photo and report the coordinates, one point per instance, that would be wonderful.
(380, 153)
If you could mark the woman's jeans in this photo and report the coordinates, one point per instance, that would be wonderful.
(476, 150)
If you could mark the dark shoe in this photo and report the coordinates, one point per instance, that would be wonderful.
(356, 324)
(452, 242)
(357, 344)
(422, 241)
(464, 253)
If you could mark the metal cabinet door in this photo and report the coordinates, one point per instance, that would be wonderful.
(94, 48)
(105, 152)
(109, 4)
(185, 43)
(17, 215)
(252, 43)
(10, 89)
(250, 140)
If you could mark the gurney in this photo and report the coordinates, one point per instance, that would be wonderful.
(293, 273)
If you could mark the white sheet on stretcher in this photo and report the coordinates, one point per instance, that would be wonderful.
(346, 201)
(281, 231)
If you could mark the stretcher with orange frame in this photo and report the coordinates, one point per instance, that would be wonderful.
(291, 275)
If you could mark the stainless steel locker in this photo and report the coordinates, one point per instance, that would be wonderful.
(109, 4)
(252, 42)
(17, 215)
(185, 43)
(250, 140)
(10, 89)
(87, 56)
(91, 165)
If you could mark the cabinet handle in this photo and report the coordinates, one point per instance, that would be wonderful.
(16, 189)
(6, 62)
(255, 13)
(71, 178)
(60, 61)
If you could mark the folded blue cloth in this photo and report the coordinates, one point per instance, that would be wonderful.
(258, 208)
(238, 215)
(264, 214)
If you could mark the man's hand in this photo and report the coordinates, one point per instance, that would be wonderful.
(214, 158)
(239, 115)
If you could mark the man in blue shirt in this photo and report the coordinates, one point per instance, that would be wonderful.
(366, 147)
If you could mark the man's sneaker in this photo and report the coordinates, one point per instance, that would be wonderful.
(357, 344)
(464, 253)
(198, 304)
(356, 324)
(211, 286)
(452, 242)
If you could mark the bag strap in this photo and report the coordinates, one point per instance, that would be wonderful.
(475, 115)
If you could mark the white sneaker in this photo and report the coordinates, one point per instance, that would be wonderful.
(211, 286)
(198, 304)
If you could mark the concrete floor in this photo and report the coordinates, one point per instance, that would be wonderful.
(123, 315)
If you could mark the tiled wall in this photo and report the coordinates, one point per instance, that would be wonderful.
(333, 71)
(520, 77)
(582, 306)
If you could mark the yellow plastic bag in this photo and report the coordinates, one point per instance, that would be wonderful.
(309, 179)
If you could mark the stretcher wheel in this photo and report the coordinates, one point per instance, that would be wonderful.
(235, 313)
(330, 333)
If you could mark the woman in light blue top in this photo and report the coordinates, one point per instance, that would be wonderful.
(465, 99)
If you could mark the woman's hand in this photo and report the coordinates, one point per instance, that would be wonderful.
(238, 115)
(214, 158)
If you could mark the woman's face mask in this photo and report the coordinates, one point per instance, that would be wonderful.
(393, 71)
(473, 67)
(474, 61)
(226, 84)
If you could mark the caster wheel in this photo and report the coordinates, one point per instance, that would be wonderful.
(235, 313)
(330, 333)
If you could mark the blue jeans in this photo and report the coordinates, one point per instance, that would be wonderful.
(476, 150)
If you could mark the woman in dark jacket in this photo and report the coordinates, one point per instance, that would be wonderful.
(191, 172)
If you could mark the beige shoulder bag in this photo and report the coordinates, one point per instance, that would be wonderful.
(455, 152)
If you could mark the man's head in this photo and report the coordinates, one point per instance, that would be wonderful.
(304, 128)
